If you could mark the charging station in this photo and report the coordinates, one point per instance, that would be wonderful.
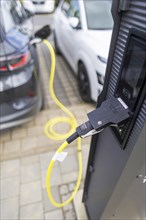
(115, 185)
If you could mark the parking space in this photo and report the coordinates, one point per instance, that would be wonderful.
(26, 151)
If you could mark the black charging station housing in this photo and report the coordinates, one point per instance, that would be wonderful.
(114, 184)
(131, 86)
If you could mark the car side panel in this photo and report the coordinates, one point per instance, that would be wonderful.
(67, 38)
(58, 28)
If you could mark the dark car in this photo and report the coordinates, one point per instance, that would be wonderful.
(20, 89)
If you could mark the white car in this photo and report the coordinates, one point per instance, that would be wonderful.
(44, 6)
(82, 33)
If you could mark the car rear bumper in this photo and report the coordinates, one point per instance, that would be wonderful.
(20, 117)
(22, 101)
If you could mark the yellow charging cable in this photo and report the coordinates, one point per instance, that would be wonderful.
(50, 133)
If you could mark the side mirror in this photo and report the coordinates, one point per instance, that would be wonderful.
(74, 22)
(29, 8)
(44, 32)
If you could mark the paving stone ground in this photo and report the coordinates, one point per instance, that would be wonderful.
(23, 189)
(26, 152)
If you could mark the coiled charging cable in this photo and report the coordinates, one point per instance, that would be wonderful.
(50, 133)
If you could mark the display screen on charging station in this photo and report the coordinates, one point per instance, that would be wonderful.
(133, 73)
(132, 82)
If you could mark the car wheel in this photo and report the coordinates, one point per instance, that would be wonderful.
(57, 50)
(83, 83)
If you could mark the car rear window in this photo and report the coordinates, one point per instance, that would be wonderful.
(7, 21)
(18, 12)
(12, 13)
(98, 14)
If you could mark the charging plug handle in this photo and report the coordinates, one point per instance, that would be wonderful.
(112, 112)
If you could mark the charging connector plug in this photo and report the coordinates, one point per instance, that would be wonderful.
(112, 112)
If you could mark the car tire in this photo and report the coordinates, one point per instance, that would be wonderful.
(84, 84)
(57, 50)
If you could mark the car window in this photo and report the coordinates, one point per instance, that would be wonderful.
(7, 21)
(74, 9)
(98, 14)
(71, 9)
(18, 12)
(12, 13)
(65, 7)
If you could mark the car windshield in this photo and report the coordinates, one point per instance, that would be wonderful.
(98, 14)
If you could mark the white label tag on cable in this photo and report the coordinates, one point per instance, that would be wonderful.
(60, 156)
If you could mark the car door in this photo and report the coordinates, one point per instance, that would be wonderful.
(61, 23)
(66, 33)
(72, 34)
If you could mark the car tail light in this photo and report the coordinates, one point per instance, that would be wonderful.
(14, 62)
